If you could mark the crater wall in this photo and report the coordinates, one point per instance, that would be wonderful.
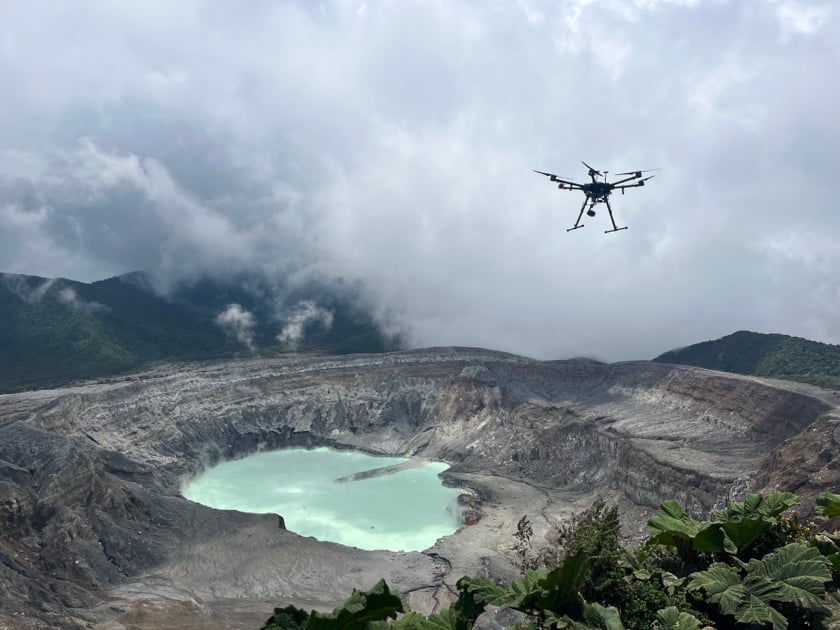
(94, 527)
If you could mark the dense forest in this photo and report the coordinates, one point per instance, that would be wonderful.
(758, 354)
(56, 331)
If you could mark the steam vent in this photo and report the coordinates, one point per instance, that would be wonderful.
(94, 528)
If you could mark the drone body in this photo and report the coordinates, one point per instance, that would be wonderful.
(599, 190)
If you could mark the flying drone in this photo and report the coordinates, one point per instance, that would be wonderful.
(598, 191)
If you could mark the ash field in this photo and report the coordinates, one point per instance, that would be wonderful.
(94, 531)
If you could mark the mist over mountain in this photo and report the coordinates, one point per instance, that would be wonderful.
(56, 330)
(392, 143)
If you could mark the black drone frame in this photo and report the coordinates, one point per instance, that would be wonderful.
(598, 191)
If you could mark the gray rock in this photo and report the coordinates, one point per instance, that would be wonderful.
(93, 529)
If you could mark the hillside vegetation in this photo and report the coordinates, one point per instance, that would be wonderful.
(55, 331)
(758, 354)
(752, 565)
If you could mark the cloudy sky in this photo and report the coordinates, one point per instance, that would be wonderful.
(391, 142)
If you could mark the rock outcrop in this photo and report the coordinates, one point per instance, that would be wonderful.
(93, 528)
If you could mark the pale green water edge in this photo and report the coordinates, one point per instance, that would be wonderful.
(405, 511)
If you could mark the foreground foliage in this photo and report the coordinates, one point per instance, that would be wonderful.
(749, 566)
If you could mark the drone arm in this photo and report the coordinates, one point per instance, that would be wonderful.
(627, 179)
(641, 182)
(556, 178)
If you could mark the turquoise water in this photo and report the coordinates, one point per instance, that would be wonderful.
(404, 511)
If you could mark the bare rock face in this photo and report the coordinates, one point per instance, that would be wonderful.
(93, 529)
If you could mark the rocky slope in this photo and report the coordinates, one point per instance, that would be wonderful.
(93, 530)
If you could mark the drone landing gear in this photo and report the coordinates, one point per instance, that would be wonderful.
(578, 224)
(615, 227)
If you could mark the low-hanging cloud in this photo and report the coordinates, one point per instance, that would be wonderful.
(239, 322)
(391, 144)
(299, 317)
(25, 290)
(68, 296)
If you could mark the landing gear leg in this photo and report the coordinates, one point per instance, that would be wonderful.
(615, 228)
(577, 223)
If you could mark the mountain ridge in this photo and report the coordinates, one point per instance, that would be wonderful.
(771, 355)
(54, 331)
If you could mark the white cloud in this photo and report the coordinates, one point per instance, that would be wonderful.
(23, 289)
(299, 317)
(391, 143)
(68, 295)
(239, 322)
(800, 18)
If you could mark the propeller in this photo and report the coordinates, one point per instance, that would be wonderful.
(596, 171)
(648, 170)
(554, 178)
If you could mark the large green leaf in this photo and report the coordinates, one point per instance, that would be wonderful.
(723, 587)
(484, 590)
(559, 591)
(826, 543)
(751, 503)
(794, 574)
(712, 539)
(718, 582)
(671, 524)
(672, 518)
(468, 608)
(446, 619)
(778, 502)
(672, 618)
(460, 616)
(605, 617)
(800, 571)
(525, 593)
(756, 507)
(745, 532)
(754, 609)
(828, 504)
(377, 604)
(595, 617)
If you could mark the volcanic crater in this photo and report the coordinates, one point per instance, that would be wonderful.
(95, 531)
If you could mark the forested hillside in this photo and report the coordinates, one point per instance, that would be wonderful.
(53, 331)
(772, 355)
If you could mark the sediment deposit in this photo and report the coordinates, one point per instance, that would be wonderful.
(94, 532)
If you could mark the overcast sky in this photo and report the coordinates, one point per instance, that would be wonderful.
(392, 142)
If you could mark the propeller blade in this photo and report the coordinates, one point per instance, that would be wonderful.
(647, 170)
(553, 177)
(647, 178)
(596, 171)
